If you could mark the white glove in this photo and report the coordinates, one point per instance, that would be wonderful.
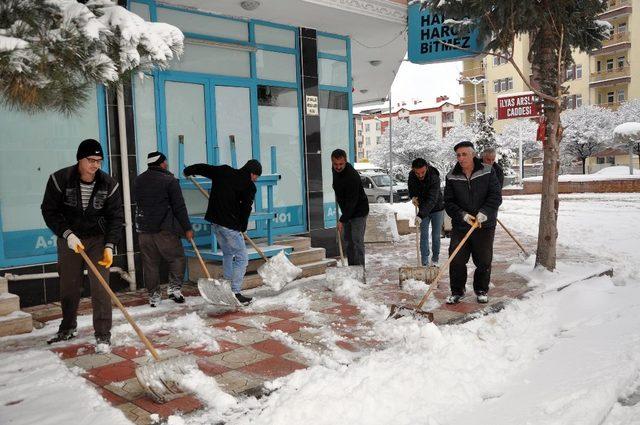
(74, 243)
(481, 217)
(469, 218)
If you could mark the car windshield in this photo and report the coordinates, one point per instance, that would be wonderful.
(381, 180)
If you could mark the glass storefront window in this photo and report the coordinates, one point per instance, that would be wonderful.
(141, 9)
(333, 46)
(205, 24)
(332, 73)
(276, 66)
(208, 59)
(145, 119)
(275, 36)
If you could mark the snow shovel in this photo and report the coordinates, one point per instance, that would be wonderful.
(398, 311)
(420, 272)
(160, 378)
(524, 251)
(342, 270)
(212, 290)
(275, 274)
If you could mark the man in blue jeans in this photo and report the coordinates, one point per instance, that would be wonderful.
(232, 194)
(424, 190)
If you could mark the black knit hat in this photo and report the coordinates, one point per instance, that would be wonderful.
(155, 158)
(463, 144)
(89, 147)
(253, 166)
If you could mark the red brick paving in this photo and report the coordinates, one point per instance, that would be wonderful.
(72, 351)
(283, 314)
(273, 367)
(184, 404)
(115, 372)
(236, 326)
(128, 352)
(271, 346)
(211, 368)
(288, 326)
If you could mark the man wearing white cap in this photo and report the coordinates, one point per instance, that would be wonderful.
(161, 219)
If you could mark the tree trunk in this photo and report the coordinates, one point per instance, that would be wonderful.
(584, 165)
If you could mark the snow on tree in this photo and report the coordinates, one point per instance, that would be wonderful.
(52, 52)
(555, 30)
(484, 133)
(587, 131)
(628, 134)
(517, 132)
(411, 140)
(630, 112)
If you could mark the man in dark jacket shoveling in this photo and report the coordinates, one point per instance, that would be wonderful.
(230, 204)
(83, 207)
(354, 205)
(161, 219)
(424, 190)
(472, 192)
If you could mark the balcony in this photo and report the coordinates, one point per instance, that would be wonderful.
(617, 41)
(611, 105)
(472, 72)
(616, 8)
(615, 75)
(468, 102)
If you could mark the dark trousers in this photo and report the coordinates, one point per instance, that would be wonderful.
(480, 247)
(354, 240)
(157, 247)
(71, 268)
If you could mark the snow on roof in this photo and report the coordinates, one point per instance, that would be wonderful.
(384, 108)
(628, 129)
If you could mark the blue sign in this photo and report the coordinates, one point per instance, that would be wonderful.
(428, 33)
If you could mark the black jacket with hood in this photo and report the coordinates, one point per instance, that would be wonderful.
(232, 194)
(427, 191)
(479, 193)
(159, 203)
(350, 195)
(62, 206)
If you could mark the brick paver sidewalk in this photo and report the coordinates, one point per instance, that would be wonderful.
(250, 351)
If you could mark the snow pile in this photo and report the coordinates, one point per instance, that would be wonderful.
(278, 271)
(628, 129)
(37, 388)
(613, 175)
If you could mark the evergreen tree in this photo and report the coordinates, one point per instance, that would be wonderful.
(485, 134)
(555, 29)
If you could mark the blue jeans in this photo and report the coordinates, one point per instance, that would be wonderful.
(235, 259)
(436, 219)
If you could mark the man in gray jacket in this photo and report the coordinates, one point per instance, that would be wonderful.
(161, 219)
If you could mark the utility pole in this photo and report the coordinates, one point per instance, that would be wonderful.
(390, 154)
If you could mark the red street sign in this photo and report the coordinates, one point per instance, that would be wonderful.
(517, 106)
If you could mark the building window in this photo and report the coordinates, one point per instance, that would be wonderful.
(377, 139)
(622, 27)
(610, 98)
(611, 160)
(497, 61)
(600, 160)
(570, 75)
(447, 117)
(609, 65)
(367, 127)
(509, 83)
(621, 95)
(367, 140)
(359, 132)
(377, 125)
(598, 66)
(578, 72)
(570, 102)
(599, 98)
(578, 100)
(621, 62)
(496, 86)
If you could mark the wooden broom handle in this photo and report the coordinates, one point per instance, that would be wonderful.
(199, 186)
(258, 250)
(117, 302)
(514, 238)
(202, 264)
(434, 282)
(415, 222)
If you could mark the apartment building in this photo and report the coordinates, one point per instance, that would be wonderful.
(370, 124)
(606, 77)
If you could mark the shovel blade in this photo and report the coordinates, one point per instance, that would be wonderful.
(161, 379)
(217, 293)
(421, 273)
(400, 311)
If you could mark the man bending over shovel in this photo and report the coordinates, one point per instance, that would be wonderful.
(472, 192)
(230, 203)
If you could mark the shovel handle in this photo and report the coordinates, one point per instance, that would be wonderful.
(339, 236)
(434, 282)
(258, 250)
(415, 222)
(117, 302)
(202, 264)
(199, 186)
(514, 238)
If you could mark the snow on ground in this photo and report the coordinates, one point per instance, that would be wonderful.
(610, 173)
(37, 388)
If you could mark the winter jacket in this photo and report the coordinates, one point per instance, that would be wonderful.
(159, 203)
(350, 195)
(62, 206)
(427, 191)
(232, 194)
(479, 193)
(499, 174)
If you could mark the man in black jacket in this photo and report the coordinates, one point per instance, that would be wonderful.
(354, 205)
(82, 206)
(161, 219)
(471, 193)
(424, 190)
(230, 204)
(489, 158)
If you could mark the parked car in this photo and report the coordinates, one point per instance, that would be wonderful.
(376, 186)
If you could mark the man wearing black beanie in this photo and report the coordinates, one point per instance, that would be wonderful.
(230, 204)
(83, 207)
(161, 219)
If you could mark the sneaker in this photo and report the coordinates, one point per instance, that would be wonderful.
(176, 295)
(454, 299)
(155, 299)
(63, 335)
(242, 299)
(103, 344)
(482, 297)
